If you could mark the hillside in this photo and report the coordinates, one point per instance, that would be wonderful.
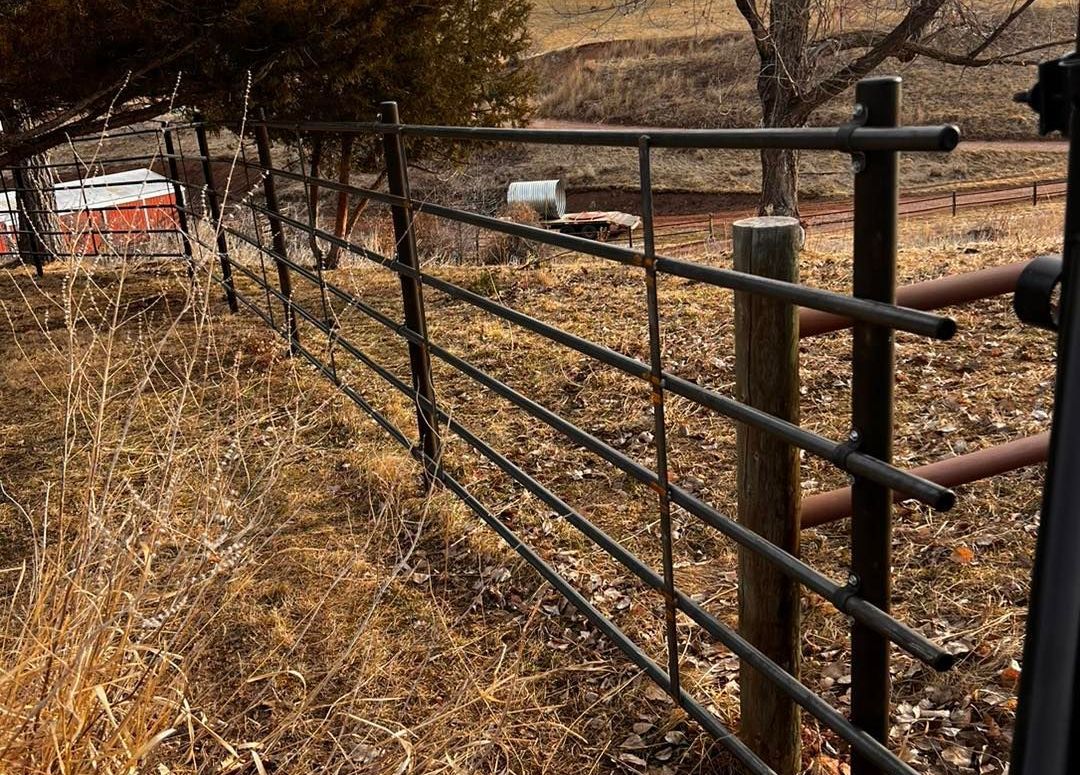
(708, 79)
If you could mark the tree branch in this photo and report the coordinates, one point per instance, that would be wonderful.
(913, 22)
(966, 60)
(19, 151)
(762, 39)
(94, 104)
(996, 33)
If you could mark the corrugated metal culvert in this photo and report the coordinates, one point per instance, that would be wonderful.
(547, 197)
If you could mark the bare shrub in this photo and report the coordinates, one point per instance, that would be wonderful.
(498, 248)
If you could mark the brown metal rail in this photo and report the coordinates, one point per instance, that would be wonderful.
(832, 506)
(929, 295)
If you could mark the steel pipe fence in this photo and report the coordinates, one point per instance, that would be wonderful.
(304, 304)
(865, 455)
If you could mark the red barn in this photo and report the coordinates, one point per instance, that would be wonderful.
(106, 214)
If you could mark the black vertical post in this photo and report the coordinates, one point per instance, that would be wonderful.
(214, 205)
(24, 221)
(1035, 194)
(397, 181)
(954, 204)
(1047, 735)
(656, 381)
(178, 195)
(277, 233)
(877, 195)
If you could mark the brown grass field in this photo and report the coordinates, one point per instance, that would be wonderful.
(213, 563)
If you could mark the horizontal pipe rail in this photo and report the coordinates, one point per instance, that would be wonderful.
(91, 163)
(912, 321)
(843, 138)
(935, 294)
(841, 455)
(549, 574)
(841, 597)
(835, 505)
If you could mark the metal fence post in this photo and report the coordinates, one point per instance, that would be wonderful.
(954, 204)
(1035, 194)
(877, 196)
(178, 195)
(277, 233)
(412, 296)
(769, 493)
(656, 381)
(214, 205)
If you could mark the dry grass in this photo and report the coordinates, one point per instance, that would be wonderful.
(556, 24)
(212, 564)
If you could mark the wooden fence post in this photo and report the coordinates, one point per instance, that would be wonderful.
(769, 493)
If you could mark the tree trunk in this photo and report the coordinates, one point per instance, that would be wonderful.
(782, 76)
(779, 183)
(333, 256)
(36, 223)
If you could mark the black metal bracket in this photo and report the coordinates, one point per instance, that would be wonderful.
(1037, 297)
(1055, 93)
(858, 120)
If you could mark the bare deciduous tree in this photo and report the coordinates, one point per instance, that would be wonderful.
(809, 51)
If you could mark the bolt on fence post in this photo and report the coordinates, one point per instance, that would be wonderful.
(412, 297)
(877, 196)
(214, 205)
(178, 195)
(277, 233)
(769, 493)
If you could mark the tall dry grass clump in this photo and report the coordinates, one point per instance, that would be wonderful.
(158, 506)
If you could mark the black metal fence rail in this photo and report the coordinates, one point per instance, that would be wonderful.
(257, 221)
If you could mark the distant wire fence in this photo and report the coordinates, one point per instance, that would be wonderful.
(265, 242)
(712, 229)
(1037, 192)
